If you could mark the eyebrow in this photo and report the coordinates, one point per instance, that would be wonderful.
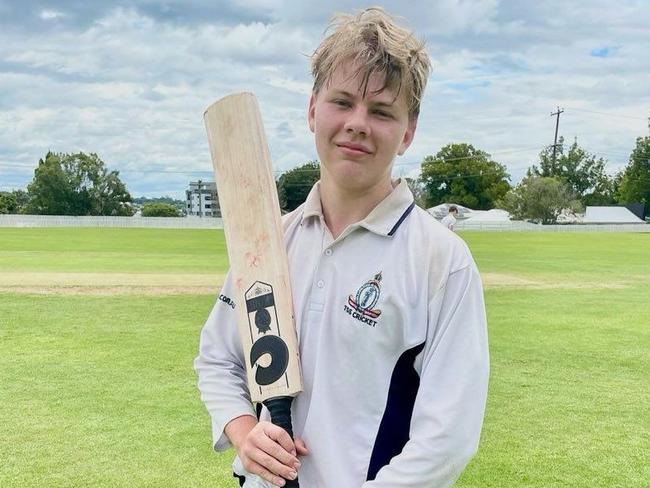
(376, 103)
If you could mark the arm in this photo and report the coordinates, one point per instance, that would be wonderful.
(450, 403)
(221, 371)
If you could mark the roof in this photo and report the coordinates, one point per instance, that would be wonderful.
(468, 214)
(610, 215)
(494, 215)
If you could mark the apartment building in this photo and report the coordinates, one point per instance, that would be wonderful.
(201, 199)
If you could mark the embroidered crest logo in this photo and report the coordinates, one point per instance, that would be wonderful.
(361, 306)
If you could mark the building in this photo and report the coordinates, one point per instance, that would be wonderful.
(610, 215)
(201, 199)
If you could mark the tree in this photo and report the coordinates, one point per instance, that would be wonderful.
(8, 203)
(635, 179)
(540, 199)
(295, 184)
(582, 171)
(22, 199)
(178, 204)
(159, 210)
(13, 202)
(461, 174)
(77, 184)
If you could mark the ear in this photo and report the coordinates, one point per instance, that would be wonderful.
(311, 113)
(408, 135)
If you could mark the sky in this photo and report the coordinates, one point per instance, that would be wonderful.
(129, 80)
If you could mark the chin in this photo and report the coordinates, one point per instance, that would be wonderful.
(356, 182)
(353, 175)
(350, 171)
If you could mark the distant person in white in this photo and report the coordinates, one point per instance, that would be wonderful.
(450, 220)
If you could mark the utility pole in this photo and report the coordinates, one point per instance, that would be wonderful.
(557, 126)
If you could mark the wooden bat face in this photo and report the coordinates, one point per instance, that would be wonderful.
(258, 260)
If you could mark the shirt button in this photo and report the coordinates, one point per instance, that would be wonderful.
(328, 252)
(320, 284)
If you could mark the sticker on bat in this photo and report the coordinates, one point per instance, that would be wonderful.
(269, 352)
(279, 352)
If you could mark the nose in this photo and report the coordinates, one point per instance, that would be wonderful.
(357, 122)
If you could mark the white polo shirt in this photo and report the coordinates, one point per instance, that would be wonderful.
(449, 221)
(393, 343)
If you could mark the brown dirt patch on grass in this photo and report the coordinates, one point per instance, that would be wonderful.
(500, 280)
(110, 283)
(110, 290)
(209, 284)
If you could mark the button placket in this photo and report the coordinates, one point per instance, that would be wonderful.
(322, 270)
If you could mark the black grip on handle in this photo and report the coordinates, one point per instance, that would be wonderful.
(280, 410)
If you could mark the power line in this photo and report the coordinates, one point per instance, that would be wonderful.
(434, 180)
(609, 114)
(200, 172)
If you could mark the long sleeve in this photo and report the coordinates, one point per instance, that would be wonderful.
(220, 368)
(450, 403)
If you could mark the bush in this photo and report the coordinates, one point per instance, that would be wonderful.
(541, 200)
(160, 210)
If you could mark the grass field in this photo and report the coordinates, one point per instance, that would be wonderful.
(99, 327)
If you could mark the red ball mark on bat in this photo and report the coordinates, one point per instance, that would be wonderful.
(239, 283)
(261, 242)
(253, 260)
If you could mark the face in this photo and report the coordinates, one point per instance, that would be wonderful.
(357, 137)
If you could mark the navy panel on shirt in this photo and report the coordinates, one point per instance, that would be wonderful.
(393, 433)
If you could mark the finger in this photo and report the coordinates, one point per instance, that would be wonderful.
(273, 465)
(276, 451)
(301, 447)
(281, 436)
(264, 473)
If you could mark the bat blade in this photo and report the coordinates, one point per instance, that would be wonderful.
(254, 237)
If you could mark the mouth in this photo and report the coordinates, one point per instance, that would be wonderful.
(353, 149)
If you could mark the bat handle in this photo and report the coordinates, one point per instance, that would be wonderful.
(280, 410)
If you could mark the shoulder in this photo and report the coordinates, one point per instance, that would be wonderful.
(292, 218)
(443, 251)
(433, 232)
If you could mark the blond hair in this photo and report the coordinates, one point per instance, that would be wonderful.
(378, 45)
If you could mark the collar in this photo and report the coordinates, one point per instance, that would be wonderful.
(384, 219)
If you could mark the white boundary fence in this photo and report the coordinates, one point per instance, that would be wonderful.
(71, 221)
(217, 223)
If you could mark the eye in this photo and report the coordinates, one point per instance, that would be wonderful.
(341, 102)
(383, 114)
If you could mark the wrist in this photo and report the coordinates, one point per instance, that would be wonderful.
(238, 428)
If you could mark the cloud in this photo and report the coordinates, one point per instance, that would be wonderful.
(130, 79)
(51, 14)
(78, 15)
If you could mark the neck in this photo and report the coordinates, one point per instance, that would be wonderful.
(342, 207)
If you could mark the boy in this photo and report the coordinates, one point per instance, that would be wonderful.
(449, 220)
(388, 304)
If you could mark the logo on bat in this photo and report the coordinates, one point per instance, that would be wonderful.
(262, 318)
(361, 305)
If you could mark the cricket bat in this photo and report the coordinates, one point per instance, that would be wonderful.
(258, 259)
